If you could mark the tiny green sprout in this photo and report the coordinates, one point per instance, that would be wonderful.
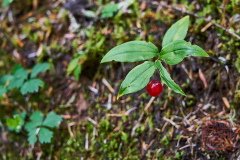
(174, 50)
(178, 156)
(165, 141)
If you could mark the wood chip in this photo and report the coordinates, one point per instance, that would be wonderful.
(192, 118)
(206, 27)
(219, 45)
(105, 82)
(226, 102)
(40, 49)
(202, 77)
(68, 116)
(170, 121)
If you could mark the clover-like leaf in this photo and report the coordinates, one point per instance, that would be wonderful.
(31, 86)
(30, 125)
(32, 136)
(5, 78)
(167, 79)
(37, 117)
(177, 31)
(18, 78)
(15, 83)
(137, 78)
(45, 135)
(40, 67)
(131, 52)
(174, 52)
(21, 73)
(52, 120)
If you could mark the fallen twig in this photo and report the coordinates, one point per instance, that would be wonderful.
(170, 121)
(105, 82)
(146, 108)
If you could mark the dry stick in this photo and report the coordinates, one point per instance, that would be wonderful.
(205, 19)
(141, 116)
(170, 121)
(193, 145)
(146, 108)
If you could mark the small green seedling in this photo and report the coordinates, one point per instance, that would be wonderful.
(75, 66)
(109, 9)
(174, 50)
(38, 126)
(21, 79)
(16, 123)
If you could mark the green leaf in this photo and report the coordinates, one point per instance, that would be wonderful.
(131, 52)
(40, 67)
(107, 15)
(77, 72)
(174, 52)
(15, 122)
(19, 76)
(30, 126)
(109, 10)
(31, 86)
(137, 78)
(3, 90)
(45, 135)
(15, 68)
(23, 115)
(15, 83)
(5, 78)
(72, 65)
(167, 79)
(177, 31)
(52, 120)
(100, 42)
(237, 64)
(37, 117)
(21, 73)
(5, 3)
(32, 136)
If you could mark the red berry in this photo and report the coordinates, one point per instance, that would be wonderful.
(154, 88)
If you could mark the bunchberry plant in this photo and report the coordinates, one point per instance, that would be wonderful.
(39, 127)
(174, 50)
(22, 80)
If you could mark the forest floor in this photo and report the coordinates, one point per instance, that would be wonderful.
(95, 124)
